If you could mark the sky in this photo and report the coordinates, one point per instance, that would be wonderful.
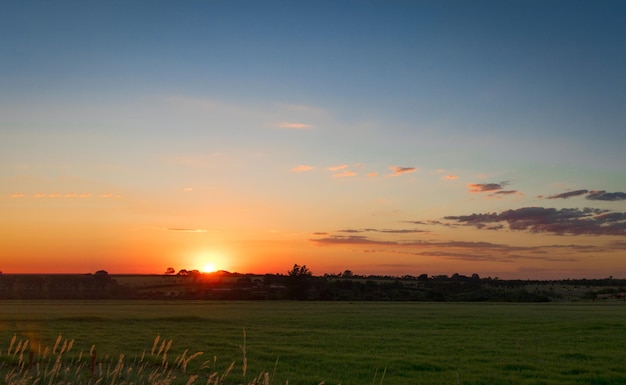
(382, 137)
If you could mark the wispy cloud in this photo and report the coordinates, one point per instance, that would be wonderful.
(18, 195)
(372, 174)
(450, 177)
(350, 240)
(344, 174)
(506, 192)
(568, 194)
(458, 250)
(388, 231)
(337, 168)
(184, 230)
(293, 125)
(302, 168)
(398, 170)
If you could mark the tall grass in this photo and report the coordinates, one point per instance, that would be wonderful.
(22, 364)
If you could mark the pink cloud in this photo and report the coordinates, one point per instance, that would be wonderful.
(337, 168)
(297, 126)
(345, 174)
(302, 168)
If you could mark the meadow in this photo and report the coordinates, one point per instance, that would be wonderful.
(281, 342)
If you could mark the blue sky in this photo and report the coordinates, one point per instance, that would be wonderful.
(271, 122)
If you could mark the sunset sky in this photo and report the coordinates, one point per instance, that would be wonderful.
(384, 137)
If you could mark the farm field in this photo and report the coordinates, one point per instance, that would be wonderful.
(339, 342)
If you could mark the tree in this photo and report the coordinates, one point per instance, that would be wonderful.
(170, 271)
(300, 271)
(299, 281)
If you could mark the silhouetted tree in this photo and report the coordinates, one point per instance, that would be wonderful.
(170, 271)
(299, 281)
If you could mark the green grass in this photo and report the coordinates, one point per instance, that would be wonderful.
(340, 342)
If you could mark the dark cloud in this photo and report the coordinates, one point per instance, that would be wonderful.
(398, 170)
(601, 195)
(595, 195)
(506, 192)
(568, 194)
(572, 221)
(486, 187)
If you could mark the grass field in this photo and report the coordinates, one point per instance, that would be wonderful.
(340, 342)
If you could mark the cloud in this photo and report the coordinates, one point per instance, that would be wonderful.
(505, 192)
(292, 125)
(397, 170)
(350, 240)
(344, 174)
(574, 221)
(372, 174)
(302, 168)
(568, 194)
(107, 195)
(19, 195)
(337, 168)
(594, 195)
(85, 195)
(463, 250)
(450, 177)
(182, 230)
(389, 231)
(486, 187)
(601, 195)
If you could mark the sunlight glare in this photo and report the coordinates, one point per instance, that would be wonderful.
(209, 267)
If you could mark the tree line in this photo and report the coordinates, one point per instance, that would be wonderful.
(299, 283)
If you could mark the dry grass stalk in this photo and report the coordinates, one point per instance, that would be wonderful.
(11, 344)
(154, 344)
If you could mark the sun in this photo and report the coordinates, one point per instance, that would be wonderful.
(209, 261)
(209, 267)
